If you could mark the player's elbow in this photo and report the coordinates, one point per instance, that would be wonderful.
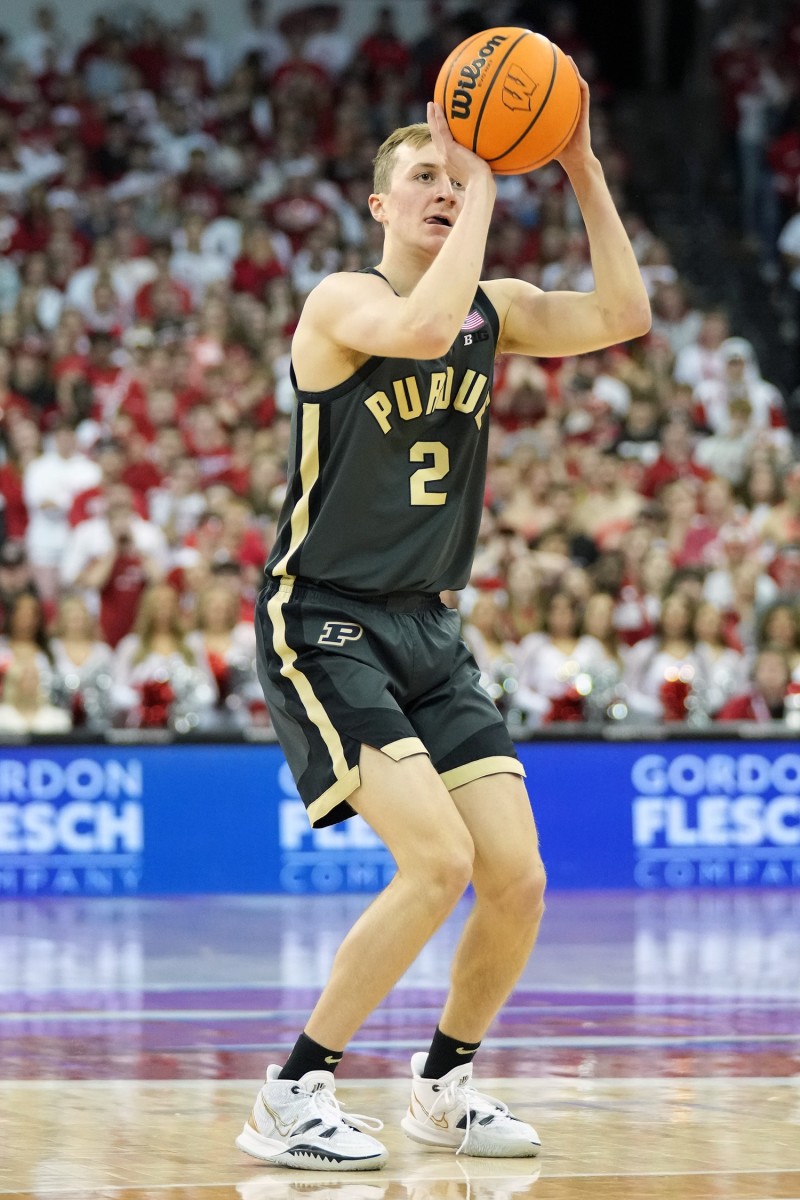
(641, 319)
(432, 337)
(634, 321)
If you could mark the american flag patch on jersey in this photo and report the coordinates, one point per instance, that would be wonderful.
(473, 320)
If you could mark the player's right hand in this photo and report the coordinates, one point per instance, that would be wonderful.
(462, 165)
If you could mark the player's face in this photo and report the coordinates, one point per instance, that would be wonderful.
(424, 201)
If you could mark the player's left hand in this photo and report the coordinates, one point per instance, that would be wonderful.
(579, 147)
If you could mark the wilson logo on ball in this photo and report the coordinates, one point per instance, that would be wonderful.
(468, 76)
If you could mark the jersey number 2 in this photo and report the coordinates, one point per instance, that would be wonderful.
(437, 456)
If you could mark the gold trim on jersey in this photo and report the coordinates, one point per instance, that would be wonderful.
(403, 748)
(309, 474)
(497, 764)
(347, 778)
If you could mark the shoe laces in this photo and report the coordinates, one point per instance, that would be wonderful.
(461, 1091)
(331, 1112)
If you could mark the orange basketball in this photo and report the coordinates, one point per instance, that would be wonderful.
(511, 96)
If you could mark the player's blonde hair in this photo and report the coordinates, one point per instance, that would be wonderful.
(416, 135)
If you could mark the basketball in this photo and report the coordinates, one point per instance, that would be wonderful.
(511, 96)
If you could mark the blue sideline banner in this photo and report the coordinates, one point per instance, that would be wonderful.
(149, 820)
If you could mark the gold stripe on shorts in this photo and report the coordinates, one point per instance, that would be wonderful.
(347, 778)
(497, 764)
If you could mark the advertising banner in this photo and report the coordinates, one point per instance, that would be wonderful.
(185, 818)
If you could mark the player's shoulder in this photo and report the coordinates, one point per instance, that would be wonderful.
(344, 285)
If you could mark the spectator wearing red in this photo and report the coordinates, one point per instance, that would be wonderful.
(704, 544)
(251, 388)
(33, 229)
(783, 155)
(23, 443)
(150, 54)
(766, 700)
(736, 61)
(242, 538)
(93, 47)
(298, 209)
(258, 263)
(62, 222)
(383, 52)
(153, 369)
(110, 456)
(207, 441)
(115, 556)
(163, 300)
(199, 190)
(206, 348)
(30, 379)
(676, 460)
(104, 374)
(161, 412)
(75, 110)
(12, 405)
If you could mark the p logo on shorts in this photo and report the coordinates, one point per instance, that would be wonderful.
(337, 633)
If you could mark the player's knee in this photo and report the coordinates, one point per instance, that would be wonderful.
(445, 870)
(519, 893)
(535, 886)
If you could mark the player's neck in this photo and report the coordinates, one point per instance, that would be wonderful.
(403, 271)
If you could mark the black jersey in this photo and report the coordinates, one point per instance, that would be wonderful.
(387, 470)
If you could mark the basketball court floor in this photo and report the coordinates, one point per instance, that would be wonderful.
(654, 1042)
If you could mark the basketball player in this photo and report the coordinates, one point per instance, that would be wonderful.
(374, 697)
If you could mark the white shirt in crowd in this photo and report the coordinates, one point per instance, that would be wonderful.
(50, 483)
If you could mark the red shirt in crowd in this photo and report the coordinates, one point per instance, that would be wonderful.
(253, 277)
(664, 471)
(15, 512)
(119, 598)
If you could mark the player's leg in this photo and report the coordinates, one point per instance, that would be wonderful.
(509, 880)
(471, 748)
(296, 1120)
(411, 811)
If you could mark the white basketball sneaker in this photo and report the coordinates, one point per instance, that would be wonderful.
(450, 1112)
(301, 1124)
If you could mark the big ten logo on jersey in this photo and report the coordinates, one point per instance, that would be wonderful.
(471, 398)
(338, 633)
(348, 857)
(473, 328)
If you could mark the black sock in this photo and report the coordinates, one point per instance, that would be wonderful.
(308, 1055)
(446, 1053)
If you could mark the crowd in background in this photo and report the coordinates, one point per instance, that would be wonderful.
(168, 201)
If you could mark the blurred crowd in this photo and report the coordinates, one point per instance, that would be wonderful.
(756, 65)
(167, 202)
